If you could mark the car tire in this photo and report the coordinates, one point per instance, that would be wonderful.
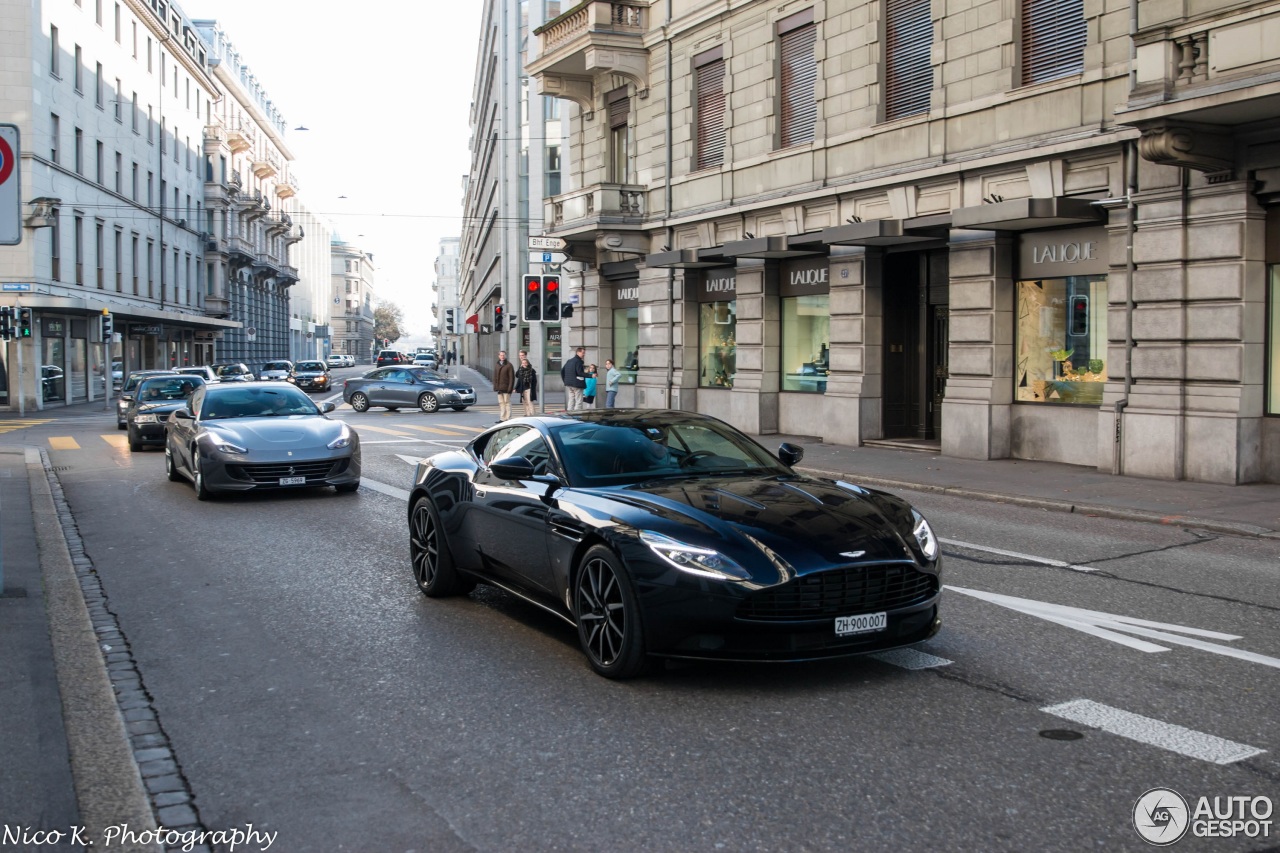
(121, 425)
(428, 403)
(459, 408)
(197, 471)
(608, 616)
(135, 446)
(171, 470)
(347, 488)
(433, 566)
(359, 402)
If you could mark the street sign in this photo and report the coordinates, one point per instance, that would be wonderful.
(550, 258)
(550, 243)
(16, 286)
(10, 195)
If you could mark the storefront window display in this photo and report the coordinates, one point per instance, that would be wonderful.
(1061, 340)
(626, 343)
(1273, 342)
(53, 382)
(717, 343)
(806, 325)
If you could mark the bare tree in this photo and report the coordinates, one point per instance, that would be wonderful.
(388, 322)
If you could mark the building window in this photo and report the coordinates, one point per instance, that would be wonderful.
(1061, 340)
(806, 338)
(133, 263)
(1053, 39)
(798, 70)
(119, 261)
(100, 252)
(119, 170)
(1273, 342)
(133, 183)
(151, 269)
(78, 248)
(78, 71)
(97, 84)
(97, 12)
(626, 343)
(708, 109)
(79, 152)
(908, 42)
(55, 236)
(53, 51)
(55, 130)
(619, 135)
(133, 113)
(98, 164)
(717, 344)
(553, 170)
(117, 23)
(150, 124)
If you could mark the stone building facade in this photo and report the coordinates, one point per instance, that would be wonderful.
(991, 229)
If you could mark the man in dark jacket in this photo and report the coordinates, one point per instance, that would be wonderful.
(504, 382)
(574, 375)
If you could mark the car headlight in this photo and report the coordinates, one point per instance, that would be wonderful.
(224, 446)
(924, 536)
(694, 559)
(341, 441)
(144, 419)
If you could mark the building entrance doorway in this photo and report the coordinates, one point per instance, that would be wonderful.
(915, 286)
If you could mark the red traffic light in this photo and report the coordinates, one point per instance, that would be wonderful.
(552, 284)
(533, 284)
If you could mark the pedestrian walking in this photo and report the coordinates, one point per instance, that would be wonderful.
(612, 376)
(574, 375)
(504, 382)
(526, 384)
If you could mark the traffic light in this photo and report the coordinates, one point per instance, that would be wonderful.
(23, 329)
(515, 323)
(551, 298)
(6, 323)
(107, 327)
(497, 319)
(449, 326)
(532, 298)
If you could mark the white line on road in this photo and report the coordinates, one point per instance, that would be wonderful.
(911, 659)
(1174, 738)
(1044, 561)
(374, 485)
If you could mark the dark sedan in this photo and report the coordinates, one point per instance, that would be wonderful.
(147, 415)
(407, 387)
(234, 371)
(127, 391)
(242, 437)
(312, 375)
(663, 533)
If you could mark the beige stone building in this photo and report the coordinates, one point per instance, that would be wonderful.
(1037, 229)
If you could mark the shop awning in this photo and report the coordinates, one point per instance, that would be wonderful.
(688, 259)
(1025, 214)
(877, 232)
(776, 247)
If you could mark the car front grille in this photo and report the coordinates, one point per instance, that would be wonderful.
(270, 474)
(842, 592)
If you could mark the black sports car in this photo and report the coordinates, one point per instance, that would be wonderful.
(672, 534)
(147, 415)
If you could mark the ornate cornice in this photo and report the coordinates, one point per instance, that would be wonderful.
(1192, 146)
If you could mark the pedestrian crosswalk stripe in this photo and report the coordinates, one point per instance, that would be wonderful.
(469, 428)
(10, 426)
(450, 432)
(63, 442)
(115, 439)
(362, 427)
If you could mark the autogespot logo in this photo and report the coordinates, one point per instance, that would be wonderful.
(1161, 816)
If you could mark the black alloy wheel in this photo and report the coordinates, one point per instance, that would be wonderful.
(359, 402)
(135, 446)
(608, 616)
(170, 470)
(433, 567)
(428, 402)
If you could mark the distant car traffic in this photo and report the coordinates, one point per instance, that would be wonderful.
(126, 393)
(337, 360)
(239, 438)
(406, 387)
(672, 534)
(311, 375)
(152, 402)
(426, 359)
(276, 371)
(234, 371)
(389, 357)
(208, 374)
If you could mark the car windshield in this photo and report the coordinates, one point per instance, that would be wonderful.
(248, 401)
(165, 388)
(232, 370)
(630, 449)
(309, 365)
(276, 365)
(134, 379)
(424, 375)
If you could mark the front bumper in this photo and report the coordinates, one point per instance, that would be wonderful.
(265, 472)
(148, 433)
(313, 383)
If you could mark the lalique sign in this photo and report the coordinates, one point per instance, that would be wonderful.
(718, 286)
(1058, 254)
(804, 277)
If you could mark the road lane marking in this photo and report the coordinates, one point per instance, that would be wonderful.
(116, 439)
(374, 485)
(911, 659)
(363, 427)
(435, 430)
(63, 442)
(1044, 561)
(1174, 738)
(10, 426)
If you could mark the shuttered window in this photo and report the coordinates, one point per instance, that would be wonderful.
(619, 135)
(908, 72)
(797, 37)
(708, 74)
(1053, 39)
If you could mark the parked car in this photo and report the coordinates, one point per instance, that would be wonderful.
(208, 374)
(52, 382)
(234, 371)
(406, 387)
(671, 533)
(152, 402)
(389, 357)
(336, 360)
(270, 435)
(276, 371)
(311, 375)
(425, 359)
(127, 390)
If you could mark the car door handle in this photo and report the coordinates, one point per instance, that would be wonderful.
(480, 493)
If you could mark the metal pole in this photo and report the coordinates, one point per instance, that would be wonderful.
(22, 401)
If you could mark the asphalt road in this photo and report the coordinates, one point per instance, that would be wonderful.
(308, 688)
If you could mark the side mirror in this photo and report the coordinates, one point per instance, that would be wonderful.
(327, 406)
(512, 468)
(184, 415)
(790, 454)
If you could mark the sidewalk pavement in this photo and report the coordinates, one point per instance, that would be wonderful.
(48, 652)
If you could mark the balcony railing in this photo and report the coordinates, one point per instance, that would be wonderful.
(595, 17)
(598, 38)
(601, 204)
(241, 134)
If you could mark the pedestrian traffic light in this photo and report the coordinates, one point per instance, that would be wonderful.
(23, 326)
(449, 326)
(532, 291)
(6, 322)
(551, 298)
(107, 327)
(497, 319)
(515, 323)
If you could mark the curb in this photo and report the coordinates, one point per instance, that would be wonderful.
(1213, 525)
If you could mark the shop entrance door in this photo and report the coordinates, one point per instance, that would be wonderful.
(915, 344)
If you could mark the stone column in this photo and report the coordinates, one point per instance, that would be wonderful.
(853, 401)
(661, 321)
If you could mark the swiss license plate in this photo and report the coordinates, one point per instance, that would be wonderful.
(864, 623)
(302, 481)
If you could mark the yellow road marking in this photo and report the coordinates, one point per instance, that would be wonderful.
(363, 427)
(63, 442)
(433, 430)
(116, 440)
(469, 428)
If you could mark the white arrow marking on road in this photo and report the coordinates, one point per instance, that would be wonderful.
(1028, 558)
(1105, 626)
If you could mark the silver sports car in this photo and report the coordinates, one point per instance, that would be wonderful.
(240, 437)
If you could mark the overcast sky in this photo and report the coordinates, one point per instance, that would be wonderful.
(384, 88)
